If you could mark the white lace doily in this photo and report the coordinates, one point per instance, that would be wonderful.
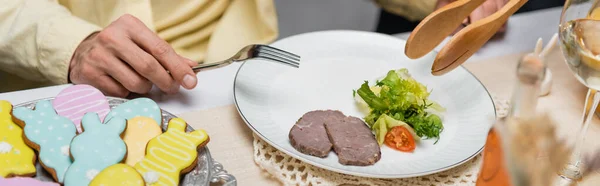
(291, 171)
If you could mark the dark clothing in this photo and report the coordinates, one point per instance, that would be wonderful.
(390, 23)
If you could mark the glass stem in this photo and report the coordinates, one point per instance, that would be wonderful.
(588, 116)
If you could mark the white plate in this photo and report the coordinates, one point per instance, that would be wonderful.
(271, 97)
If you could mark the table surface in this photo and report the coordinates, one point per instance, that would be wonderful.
(215, 87)
(564, 103)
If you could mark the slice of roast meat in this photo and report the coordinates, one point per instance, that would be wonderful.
(308, 134)
(353, 141)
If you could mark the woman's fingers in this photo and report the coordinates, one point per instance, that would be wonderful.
(500, 4)
(486, 9)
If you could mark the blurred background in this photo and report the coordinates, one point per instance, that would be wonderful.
(297, 17)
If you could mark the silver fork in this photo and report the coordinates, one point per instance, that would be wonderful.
(255, 51)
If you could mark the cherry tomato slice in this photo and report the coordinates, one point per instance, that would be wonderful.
(400, 139)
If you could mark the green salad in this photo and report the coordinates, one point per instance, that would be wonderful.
(398, 99)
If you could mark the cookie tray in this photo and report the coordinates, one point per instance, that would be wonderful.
(206, 172)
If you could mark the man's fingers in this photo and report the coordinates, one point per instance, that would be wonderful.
(109, 86)
(181, 71)
(190, 62)
(106, 61)
(165, 55)
(144, 64)
(130, 79)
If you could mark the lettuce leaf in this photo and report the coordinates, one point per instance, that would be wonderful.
(370, 98)
(402, 98)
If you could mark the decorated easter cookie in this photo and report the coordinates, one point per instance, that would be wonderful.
(139, 131)
(97, 147)
(75, 101)
(25, 181)
(137, 107)
(118, 175)
(16, 158)
(170, 154)
(49, 134)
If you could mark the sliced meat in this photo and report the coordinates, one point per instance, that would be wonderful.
(353, 141)
(308, 134)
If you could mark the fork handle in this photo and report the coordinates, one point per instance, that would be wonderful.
(210, 66)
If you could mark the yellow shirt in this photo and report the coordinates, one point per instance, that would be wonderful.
(38, 37)
(412, 10)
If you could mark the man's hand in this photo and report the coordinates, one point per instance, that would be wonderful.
(487, 8)
(128, 57)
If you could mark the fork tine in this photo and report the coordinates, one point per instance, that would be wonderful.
(278, 59)
(279, 51)
(272, 59)
(279, 56)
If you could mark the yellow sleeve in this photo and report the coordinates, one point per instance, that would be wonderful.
(38, 38)
(243, 23)
(412, 10)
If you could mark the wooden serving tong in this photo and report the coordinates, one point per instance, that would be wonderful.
(442, 22)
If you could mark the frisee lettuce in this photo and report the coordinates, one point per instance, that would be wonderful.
(400, 97)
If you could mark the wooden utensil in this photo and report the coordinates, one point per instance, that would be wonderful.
(433, 29)
(437, 26)
(470, 39)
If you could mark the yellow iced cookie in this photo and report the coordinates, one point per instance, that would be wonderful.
(118, 174)
(171, 154)
(16, 158)
(139, 131)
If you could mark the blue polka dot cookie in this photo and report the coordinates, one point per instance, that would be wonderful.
(96, 148)
(49, 134)
(137, 107)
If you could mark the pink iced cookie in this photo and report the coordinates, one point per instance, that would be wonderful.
(25, 181)
(73, 102)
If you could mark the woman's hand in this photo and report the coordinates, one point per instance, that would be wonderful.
(487, 8)
(127, 57)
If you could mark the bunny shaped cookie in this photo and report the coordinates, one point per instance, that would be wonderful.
(170, 154)
(16, 158)
(48, 133)
(97, 147)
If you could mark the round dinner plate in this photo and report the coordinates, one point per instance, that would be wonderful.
(271, 97)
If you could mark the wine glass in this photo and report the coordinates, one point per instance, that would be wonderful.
(579, 32)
